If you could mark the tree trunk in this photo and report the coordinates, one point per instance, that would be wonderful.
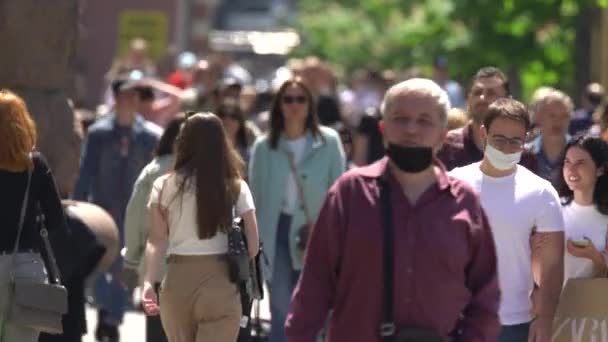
(38, 40)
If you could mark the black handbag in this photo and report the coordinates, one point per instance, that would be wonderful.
(253, 328)
(38, 305)
(238, 255)
(389, 332)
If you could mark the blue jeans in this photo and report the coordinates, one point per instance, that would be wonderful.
(514, 333)
(284, 279)
(110, 295)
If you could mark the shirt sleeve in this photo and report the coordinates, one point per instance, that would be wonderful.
(137, 220)
(550, 217)
(480, 320)
(245, 201)
(314, 294)
(155, 193)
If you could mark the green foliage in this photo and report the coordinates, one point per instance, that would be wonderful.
(533, 40)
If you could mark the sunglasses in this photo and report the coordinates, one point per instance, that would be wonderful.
(288, 99)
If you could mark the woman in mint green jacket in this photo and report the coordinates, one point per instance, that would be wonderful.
(319, 160)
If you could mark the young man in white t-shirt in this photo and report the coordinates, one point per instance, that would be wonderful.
(518, 203)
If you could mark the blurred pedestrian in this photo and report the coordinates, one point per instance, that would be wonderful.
(191, 208)
(582, 118)
(137, 220)
(600, 125)
(290, 171)
(79, 253)
(380, 260)
(552, 115)
(464, 146)
(442, 77)
(236, 128)
(116, 150)
(457, 118)
(28, 190)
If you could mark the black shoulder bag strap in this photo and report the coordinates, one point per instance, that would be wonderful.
(54, 274)
(387, 328)
(22, 213)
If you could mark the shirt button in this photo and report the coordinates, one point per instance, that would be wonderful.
(410, 271)
(408, 300)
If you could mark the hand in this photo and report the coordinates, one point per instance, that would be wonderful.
(253, 250)
(129, 278)
(303, 236)
(587, 252)
(149, 300)
(541, 330)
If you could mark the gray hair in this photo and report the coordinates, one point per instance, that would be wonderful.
(421, 86)
(554, 95)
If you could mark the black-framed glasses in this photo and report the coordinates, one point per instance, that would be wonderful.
(500, 141)
(300, 99)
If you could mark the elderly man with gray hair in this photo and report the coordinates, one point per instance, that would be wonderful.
(552, 109)
(401, 251)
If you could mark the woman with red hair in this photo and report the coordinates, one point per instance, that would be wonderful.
(21, 170)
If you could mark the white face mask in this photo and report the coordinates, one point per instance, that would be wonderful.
(501, 161)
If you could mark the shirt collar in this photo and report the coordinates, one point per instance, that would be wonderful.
(380, 169)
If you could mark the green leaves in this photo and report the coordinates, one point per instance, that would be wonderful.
(533, 38)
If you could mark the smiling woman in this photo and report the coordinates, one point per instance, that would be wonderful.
(584, 187)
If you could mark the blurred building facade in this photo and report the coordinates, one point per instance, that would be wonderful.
(170, 26)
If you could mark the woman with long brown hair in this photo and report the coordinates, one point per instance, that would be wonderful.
(236, 127)
(290, 171)
(191, 209)
(22, 172)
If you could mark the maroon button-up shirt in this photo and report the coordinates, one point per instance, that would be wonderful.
(445, 263)
(459, 149)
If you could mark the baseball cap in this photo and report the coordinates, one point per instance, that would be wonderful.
(229, 82)
(127, 82)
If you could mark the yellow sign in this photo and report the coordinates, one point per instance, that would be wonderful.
(149, 25)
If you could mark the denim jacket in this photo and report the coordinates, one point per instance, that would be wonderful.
(106, 178)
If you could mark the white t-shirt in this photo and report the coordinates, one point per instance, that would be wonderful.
(515, 205)
(583, 221)
(183, 227)
(291, 197)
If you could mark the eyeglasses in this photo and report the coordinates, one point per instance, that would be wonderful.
(500, 141)
(288, 99)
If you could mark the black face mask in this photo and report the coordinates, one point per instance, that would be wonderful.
(410, 159)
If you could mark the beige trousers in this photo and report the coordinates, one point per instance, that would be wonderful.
(198, 303)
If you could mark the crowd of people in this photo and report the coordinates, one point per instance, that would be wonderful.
(396, 206)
